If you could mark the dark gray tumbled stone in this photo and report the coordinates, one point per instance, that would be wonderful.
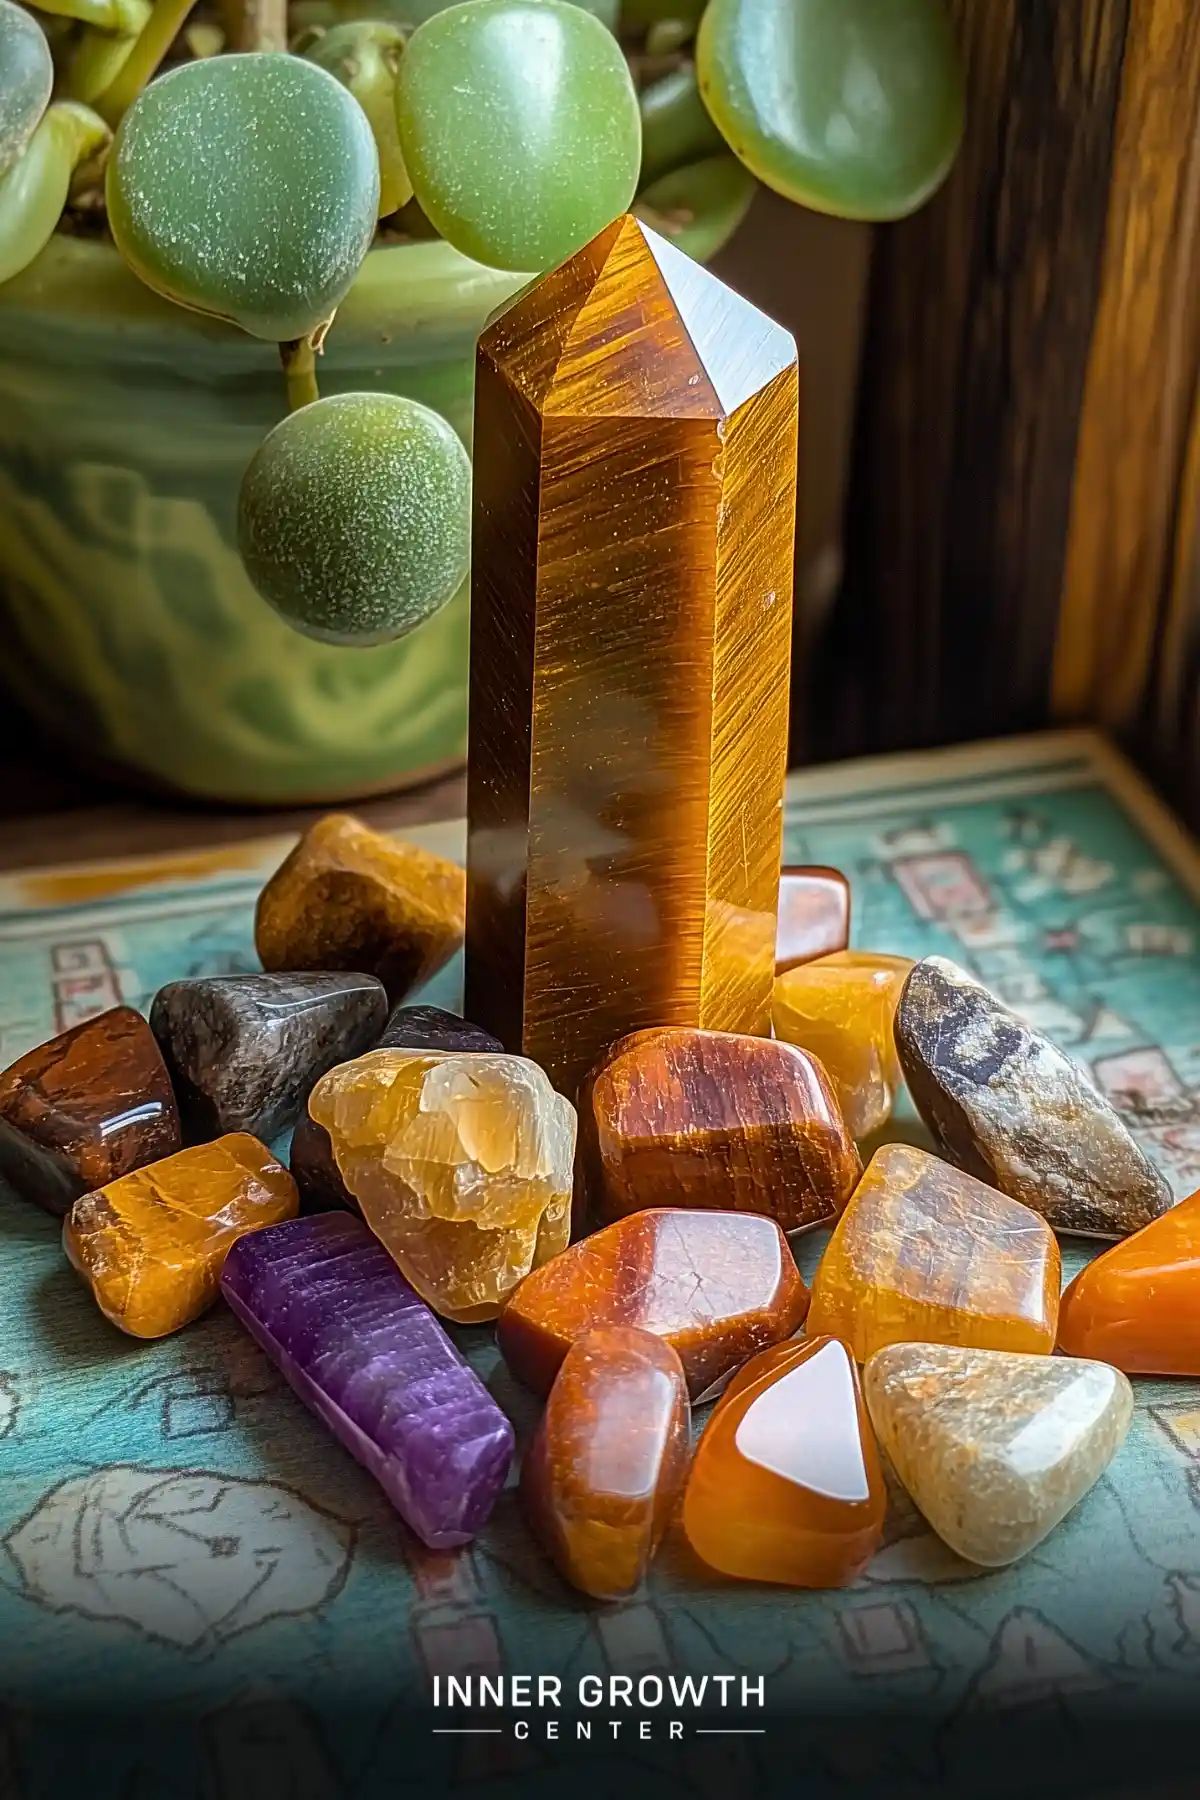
(244, 1051)
(314, 1169)
(1011, 1108)
(432, 1028)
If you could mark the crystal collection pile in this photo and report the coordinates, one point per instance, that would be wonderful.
(432, 1173)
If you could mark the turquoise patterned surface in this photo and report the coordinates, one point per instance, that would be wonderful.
(175, 1529)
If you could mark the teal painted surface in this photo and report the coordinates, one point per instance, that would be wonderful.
(173, 1524)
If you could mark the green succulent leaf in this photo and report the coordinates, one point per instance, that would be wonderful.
(700, 207)
(34, 191)
(520, 129)
(248, 187)
(26, 78)
(852, 107)
(354, 517)
(676, 127)
(365, 56)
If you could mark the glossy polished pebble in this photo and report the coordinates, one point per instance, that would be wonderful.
(716, 1286)
(681, 1117)
(90, 1105)
(814, 915)
(350, 898)
(461, 1163)
(26, 80)
(995, 1448)
(927, 1254)
(854, 109)
(433, 1028)
(786, 1485)
(841, 1010)
(1137, 1305)
(243, 1051)
(536, 92)
(1008, 1105)
(151, 1246)
(608, 1459)
(313, 1167)
(330, 1308)
(247, 187)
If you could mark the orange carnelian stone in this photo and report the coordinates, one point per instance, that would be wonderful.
(926, 1254)
(841, 1009)
(716, 1285)
(708, 1118)
(814, 915)
(787, 1484)
(1137, 1305)
(152, 1245)
(348, 897)
(606, 1464)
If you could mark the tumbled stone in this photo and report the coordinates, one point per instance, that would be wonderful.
(995, 1448)
(786, 1485)
(84, 1108)
(244, 1050)
(1006, 1104)
(151, 1245)
(814, 915)
(433, 1028)
(330, 1308)
(925, 1253)
(680, 1117)
(841, 1009)
(461, 1163)
(313, 1167)
(1137, 1305)
(716, 1286)
(350, 898)
(607, 1461)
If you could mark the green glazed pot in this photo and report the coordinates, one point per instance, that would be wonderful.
(130, 629)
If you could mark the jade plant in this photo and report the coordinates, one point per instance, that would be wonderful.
(244, 162)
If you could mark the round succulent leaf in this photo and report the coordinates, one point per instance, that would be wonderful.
(853, 108)
(699, 208)
(520, 129)
(676, 127)
(364, 56)
(26, 78)
(246, 186)
(354, 517)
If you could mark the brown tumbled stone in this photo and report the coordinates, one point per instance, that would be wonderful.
(814, 915)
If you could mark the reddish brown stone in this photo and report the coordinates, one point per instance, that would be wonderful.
(84, 1109)
(814, 915)
(314, 1169)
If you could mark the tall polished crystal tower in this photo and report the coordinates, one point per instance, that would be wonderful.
(635, 469)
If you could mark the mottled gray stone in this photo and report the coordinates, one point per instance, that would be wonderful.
(1011, 1108)
(244, 1051)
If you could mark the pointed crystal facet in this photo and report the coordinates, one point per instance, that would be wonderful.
(786, 1485)
(635, 467)
(1137, 1305)
(994, 1447)
(461, 1163)
(1006, 1104)
(716, 1286)
(926, 1253)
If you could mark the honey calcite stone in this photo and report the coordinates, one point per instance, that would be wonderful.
(1006, 1104)
(925, 1253)
(83, 1109)
(841, 1009)
(707, 1118)
(995, 1448)
(814, 914)
(786, 1485)
(608, 1458)
(350, 898)
(152, 1245)
(635, 476)
(1137, 1305)
(716, 1286)
(461, 1163)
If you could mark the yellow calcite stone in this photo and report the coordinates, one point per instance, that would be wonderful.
(840, 1009)
(151, 1246)
(462, 1164)
(925, 1253)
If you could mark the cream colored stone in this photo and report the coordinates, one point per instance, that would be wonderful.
(462, 1165)
(994, 1446)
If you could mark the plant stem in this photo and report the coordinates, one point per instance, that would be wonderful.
(166, 21)
(121, 16)
(260, 25)
(99, 56)
(299, 359)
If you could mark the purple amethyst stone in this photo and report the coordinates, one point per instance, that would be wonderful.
(329, 1306)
